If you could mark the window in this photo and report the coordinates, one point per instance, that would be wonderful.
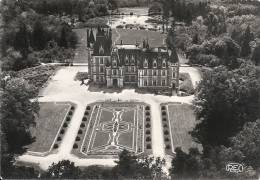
(132, 69)
(145, 82)
(133, 78)
(126, 78)
(145, 72)
(101, 78)
(154, 83)
(126, 60)
(173, 74)
(145, 63)
(114, 63)
(101, 60)
(97, 60)
(164, 64)
(133, 59)
(163, 82)
(154, 64)
(155, 72)
(114, 71)
(101, 69)
(163, 72)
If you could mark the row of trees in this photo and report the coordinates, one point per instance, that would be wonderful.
(82, 9)
(128, 167)
(182, 11)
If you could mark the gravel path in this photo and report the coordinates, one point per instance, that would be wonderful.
(62, 87)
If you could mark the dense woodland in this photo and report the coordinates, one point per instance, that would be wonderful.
(224, 37)
(227, 101)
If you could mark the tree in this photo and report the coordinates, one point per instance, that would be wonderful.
(21, 42)
(18, 113)
(247, 37)
(39, 36)
(186, 165)
(126, 165)
(221, 93)
(129, 166)
(195, 39)
(247, 142)
(170, 40)
(63, 42)
(256, 55)
(63, 169)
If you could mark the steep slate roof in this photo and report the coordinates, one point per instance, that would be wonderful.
(103, 43)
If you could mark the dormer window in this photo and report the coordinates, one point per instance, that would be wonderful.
(154, 64)
(126, 59)
(132, 60)
(145, 63)
(164, 64)
(114, 63)
(101, 50)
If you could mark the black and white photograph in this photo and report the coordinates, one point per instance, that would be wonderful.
(130, 89)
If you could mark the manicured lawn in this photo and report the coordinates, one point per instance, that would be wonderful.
(182, 121)
(50, 118)
(129, 36)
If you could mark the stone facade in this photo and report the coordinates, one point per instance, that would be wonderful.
(123, 65)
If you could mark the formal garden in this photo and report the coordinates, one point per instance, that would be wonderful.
(109, 127)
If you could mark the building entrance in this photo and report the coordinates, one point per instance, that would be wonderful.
(115, 83)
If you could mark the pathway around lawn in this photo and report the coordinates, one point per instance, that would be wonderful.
(62, 87)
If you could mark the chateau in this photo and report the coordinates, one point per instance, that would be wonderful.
(120, 65)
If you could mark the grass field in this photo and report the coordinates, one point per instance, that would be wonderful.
(51, 116)
(110, 128)
(181, 120)
(129, 36)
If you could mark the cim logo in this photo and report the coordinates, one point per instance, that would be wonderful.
(234, 167)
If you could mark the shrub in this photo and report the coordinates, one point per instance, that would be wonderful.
(163, 108)
(147, 113)
(59, 138)
(165, 126)
(148, 139)
(80, 131)
(86, 113)
(55, 146)
(148, 146)
(68, 118)
(65, 125)
(164, 119)
(147, 108)
(88, 108)
(72, 108)
(148, 125)
(70, 113)
(75, 146)
(82, 125)
(148, 119)
(166, 132)
(77, 138)
(164, 113)
(62, 131)
(148, 132)
(85, 118)
(166, 139)
(168, 146)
